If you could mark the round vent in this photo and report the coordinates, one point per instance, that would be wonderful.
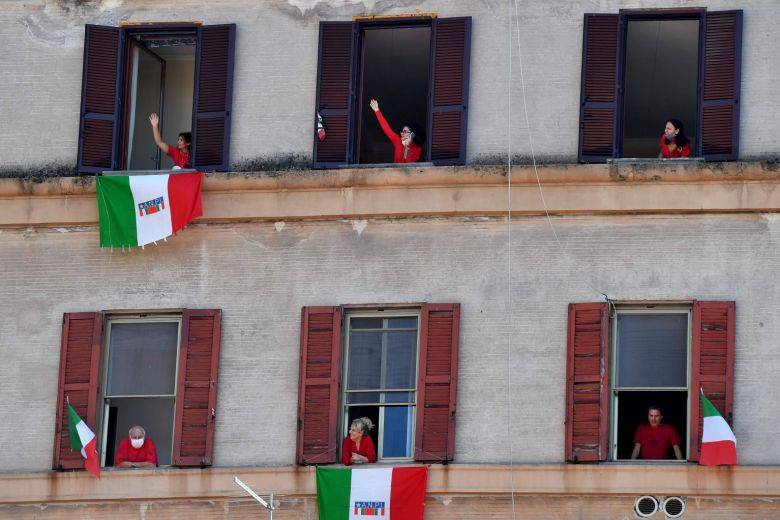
(646, 506)
(673, 507)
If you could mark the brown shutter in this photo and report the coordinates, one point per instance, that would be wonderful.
(213, 97)
(100, 99)
(196, 388)
(319, 383)
(719, 103)
(78, 381)
(712, 363)
(437, 383)
(448, 111)
(598, 88)
(587, 382)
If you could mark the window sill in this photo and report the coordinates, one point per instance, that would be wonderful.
(401, 166)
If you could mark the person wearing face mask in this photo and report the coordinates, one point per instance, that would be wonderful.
(674, 143)
(136, 451)
(406, 145)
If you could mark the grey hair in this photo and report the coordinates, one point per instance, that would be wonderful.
(364, 424)
(139, 428)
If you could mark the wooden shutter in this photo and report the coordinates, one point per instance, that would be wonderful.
(319, 384)
(196, 388)
(712, 364)
(335, 93)
(437, 383)
(587, 382)
(448, 101)
(100, 99)
(598, 88)
(78, 381)
(213, 97)
(719, 103)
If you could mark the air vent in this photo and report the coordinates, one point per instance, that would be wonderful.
(646, 506)
(673, 507)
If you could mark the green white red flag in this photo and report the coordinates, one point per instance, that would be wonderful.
(718, 444)
(136, 210)
(371, 493)
(83, 439)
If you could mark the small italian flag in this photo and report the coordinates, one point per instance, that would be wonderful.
(718, 444)
(83, 439)
(371, 493)
(136, 210)
(320, 128)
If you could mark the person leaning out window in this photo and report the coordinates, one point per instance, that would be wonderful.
(674, 142)
(358, 448)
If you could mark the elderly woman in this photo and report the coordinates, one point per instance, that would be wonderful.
(358, 448)
(136, 451)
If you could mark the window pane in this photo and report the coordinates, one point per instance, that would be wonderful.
(142, 358)
(397, 432)
(363, 398)
(401, 359)
(652, 350)
(409, 322)
(399, 397)
(366, 323)
(365, 360)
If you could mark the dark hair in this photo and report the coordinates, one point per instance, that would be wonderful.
(419, 134)
(655, 406)
(680, 139)
(187, 136)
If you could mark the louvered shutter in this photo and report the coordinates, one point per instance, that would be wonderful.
(599, 89)
(196, 388)
(448, 103)
(319, 384)
(712, 363)
(78, 381)
(335, 93)
(213, 97)
(587, 382)
(437, 383)
(720, 89)
(100, 99)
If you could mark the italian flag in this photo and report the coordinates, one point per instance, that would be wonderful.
(136, 210)
(718, 444)
(371, 493)
(83, 439)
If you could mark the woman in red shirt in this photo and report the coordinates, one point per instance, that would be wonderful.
(358, 448)
(674, 143)
(406, 145)
(181, 153)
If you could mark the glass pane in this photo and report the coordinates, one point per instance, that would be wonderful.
(652, 350)
(363, 398)
(154, 414)
(366, 323)
(397, 432)
(399, 397)
(401, 359)
(409, 322)
(142, 358)
(365, 360)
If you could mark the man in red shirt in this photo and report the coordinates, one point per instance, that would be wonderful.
(136, 451)
(181, 152)
(652, 440)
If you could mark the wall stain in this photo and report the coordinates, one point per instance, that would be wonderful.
(60, 24)
(306, 10)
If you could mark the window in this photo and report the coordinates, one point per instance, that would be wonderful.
(418, 69)
(157, 371)
(184, 72)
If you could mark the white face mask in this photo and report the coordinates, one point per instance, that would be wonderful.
(137, 443)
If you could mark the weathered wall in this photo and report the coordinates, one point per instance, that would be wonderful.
(276, 68)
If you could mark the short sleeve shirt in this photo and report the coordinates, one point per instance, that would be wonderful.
(657, 442)
(180, 159)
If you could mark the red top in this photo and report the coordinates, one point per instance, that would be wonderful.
(180, 159)
(126, 452)
(684, 151)
(413, 155)
(657, 441)
(348, 447)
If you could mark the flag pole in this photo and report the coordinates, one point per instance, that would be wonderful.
(257, 497)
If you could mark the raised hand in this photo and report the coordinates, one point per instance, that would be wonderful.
(374, 105)
(154, 119)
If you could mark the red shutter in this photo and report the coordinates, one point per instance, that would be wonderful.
(587, 382)
(82, 334)
(719, 103)
(319, 383)
(196, 388)
(213, 97)
(598, 89)
(437, 382)
(335, 93)
(712, 363)
(100, 98)
(448, 111)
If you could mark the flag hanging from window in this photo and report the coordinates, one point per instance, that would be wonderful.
(83, 439)
(371, 493)
(718, 444)
(320, 128)
(136, 210)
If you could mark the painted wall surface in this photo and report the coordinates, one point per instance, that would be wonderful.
(512, 354)
(275, 69)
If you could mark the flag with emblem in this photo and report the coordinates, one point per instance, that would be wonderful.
(718, 444)
(371, 493)
(136, 210)
(83, 439)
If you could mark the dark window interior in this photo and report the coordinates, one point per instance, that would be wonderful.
(661, 63)
(632, 410)
(372, 412)
(395, 72)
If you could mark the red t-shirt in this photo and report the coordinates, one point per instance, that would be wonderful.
(414, 152)
(348, 447)
(656, 442)
(180, 159)
(126, 452)
(677, 151)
